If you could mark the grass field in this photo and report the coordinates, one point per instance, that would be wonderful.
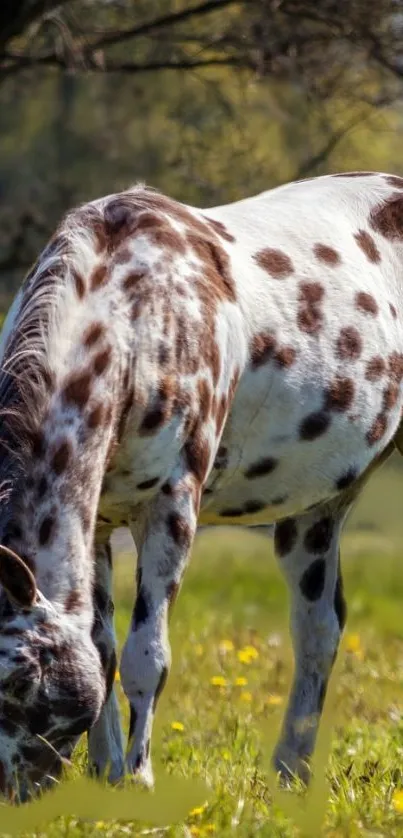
(221, 712)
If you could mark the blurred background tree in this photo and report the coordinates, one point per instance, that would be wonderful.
(209, 101)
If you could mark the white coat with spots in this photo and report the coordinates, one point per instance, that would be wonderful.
(164, 366)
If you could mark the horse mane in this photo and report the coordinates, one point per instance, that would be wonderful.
(27, 379)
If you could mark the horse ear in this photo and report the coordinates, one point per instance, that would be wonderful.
(17, 579)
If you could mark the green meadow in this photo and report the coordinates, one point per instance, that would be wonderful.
(220, 715)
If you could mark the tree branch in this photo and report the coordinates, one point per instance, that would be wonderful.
(377, 53)
(311, 163)
(21, 62)
(165, 21)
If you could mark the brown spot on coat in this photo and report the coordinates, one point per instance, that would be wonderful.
(167, 489)
(314, 425)
(310, 315)
(95, 417)
(261, 467)
(45, 530)
(232, 512)
(312, 581)
(366, 302)
(120, 216)
(76, 391)
(349, 344)
(326, 254)
(396, 366)
(160, 232)
(395, 180)
(79, 284)
(216, 269)
(37, 444)
(163, 354)
(161, 411)
(285, 356)
(61, 457)
(375, 368)
(340, 394)
(152, 420)
(73, 601)
(393, 310)
(274, 262)
(318, 537)
(148, 484)
(179, 530)
(368, 246)
(205, 399)
(213, 358)
(285, 536)
(132, 279)
(93, 334)
(220, 229)
(102, 360)
(99, 277)
(253, 506)
(122, 256)
(186, 356)
(378, 429)
(390, 397)
(197, 452)
(262, 349)
(346, 479)
(387, 217)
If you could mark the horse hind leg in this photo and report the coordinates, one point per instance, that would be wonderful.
(307, 548)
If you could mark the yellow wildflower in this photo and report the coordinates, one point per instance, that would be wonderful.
(243, 657)
(397, 801)
(195, 831)
(226, 755)
(252, 652)
(246, 696)
(195, 813)
(178, 726)
(100, 824)
(198, 650)
(274, 700)
(241, 681)
(248, 654)
(226, 646)
(218, 681)
(117, 676)
(353, 644)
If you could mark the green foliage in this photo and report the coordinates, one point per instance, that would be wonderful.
(204, 136)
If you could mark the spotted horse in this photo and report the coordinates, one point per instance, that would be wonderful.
(162, 366)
